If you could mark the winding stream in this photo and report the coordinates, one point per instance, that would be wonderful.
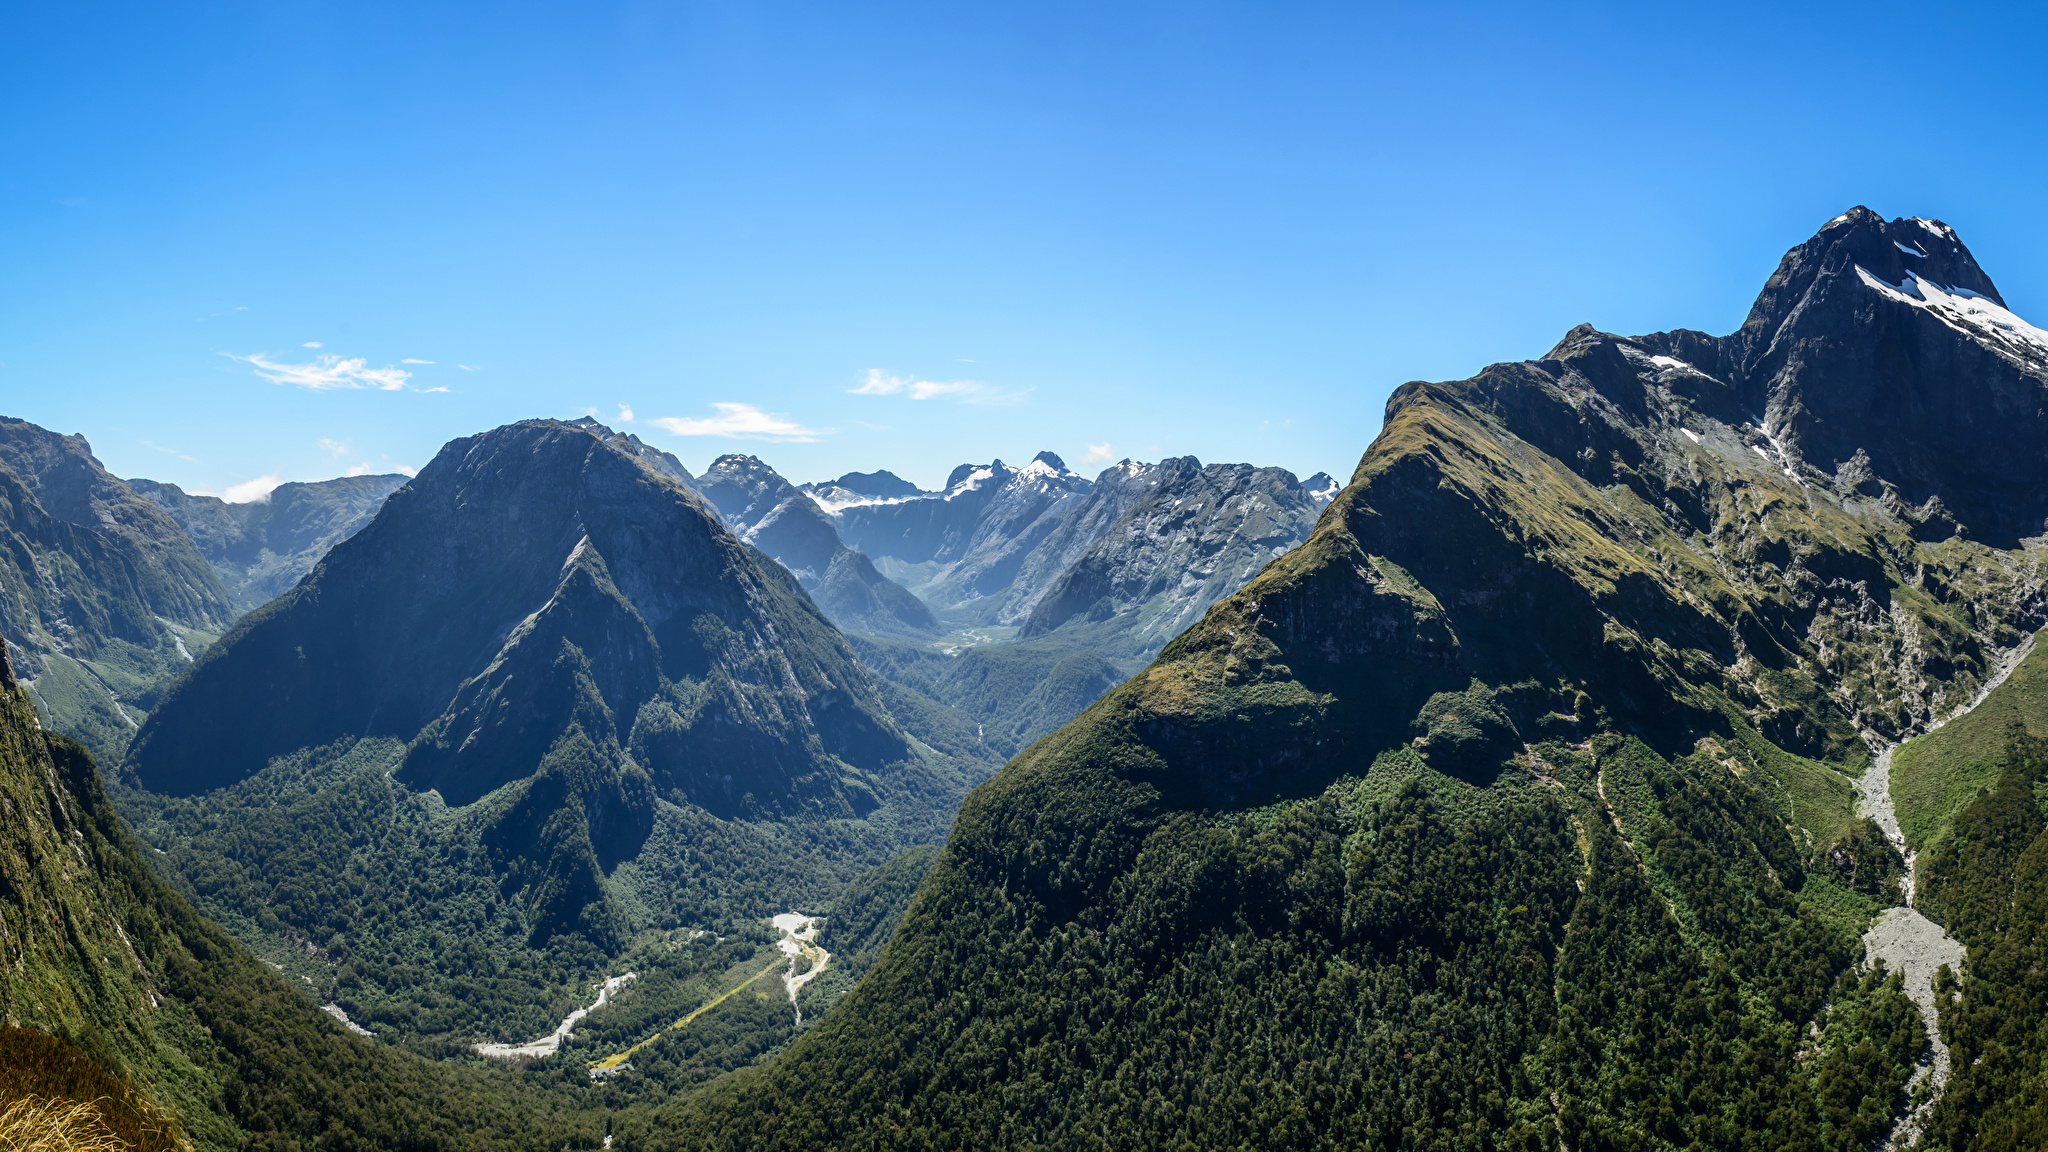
(551, 1043)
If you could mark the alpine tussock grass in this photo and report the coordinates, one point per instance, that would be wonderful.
(46, 1124)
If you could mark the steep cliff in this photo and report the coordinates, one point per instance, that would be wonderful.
(102, 597)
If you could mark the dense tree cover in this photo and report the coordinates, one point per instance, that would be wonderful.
(1408, 961)
(131, 975)
(1988, 884)
(407, 916)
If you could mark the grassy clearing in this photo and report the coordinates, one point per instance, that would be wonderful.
(1936, 775)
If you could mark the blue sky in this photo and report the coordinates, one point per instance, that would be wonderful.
(289, 239)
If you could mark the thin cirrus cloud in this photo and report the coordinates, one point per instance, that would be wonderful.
(328, 372)
(741, 422)
(410, 360)
(881, 383)
(168, 451)
(1098, 454)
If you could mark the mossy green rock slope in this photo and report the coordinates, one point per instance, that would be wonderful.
(1505, 811)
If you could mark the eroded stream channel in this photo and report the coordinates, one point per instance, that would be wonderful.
(1908, 942)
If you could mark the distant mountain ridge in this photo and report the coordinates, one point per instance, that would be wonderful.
(996, 539)
(101, 594)
(262, 547)
(775, 516)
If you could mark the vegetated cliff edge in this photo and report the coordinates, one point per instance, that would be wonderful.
(103, 955)
(1510, 806)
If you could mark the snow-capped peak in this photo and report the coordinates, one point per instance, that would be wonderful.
(1969, 313)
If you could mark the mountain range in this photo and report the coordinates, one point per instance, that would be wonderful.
(1643, 750)
(1519, 805)
(260, 548)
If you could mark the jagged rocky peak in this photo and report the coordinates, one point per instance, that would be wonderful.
(1322, 488)
(1049, 464)
(1878, 360)
(975, 477)
(662, 462)
(743, 488)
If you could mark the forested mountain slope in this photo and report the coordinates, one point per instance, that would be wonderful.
(263, 547)
(102, 955)
(1515, 807)
(543, 706)
(101, 595)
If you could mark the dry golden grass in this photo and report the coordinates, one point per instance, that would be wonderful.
(46, 1124)
(54, 1098)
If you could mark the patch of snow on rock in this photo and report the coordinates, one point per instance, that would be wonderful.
(1970, 314)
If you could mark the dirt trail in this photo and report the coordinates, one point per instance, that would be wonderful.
(1905, 940)
(602, 1068)
(551, 1043)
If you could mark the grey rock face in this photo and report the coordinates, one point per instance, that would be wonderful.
(783, 521)
(930, 527)
(632, 445)
(1023, 511)
(1884, 349)
(1115, 491)
(1322, 488)
(262, 548)
(1194, 538)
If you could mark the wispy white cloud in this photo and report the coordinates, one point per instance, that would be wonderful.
(327, 373)
(168, 451)
(405, 470)
(362, 469)
(741, 422)
(1098, 454)
(223, 312)
(312, 344)
(435, 388)
(255, 491)
(625, 414)
(882, 383)
(410, 360)
(469, 367)
(335, 449)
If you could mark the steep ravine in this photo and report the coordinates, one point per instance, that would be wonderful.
(1907, 941)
